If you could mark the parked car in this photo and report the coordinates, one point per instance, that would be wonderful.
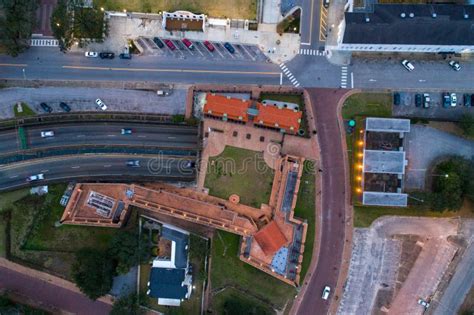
(125, 56)
(170, 44)
(126, 131)
(454, 100)
(326, 292)
(101, 104)
(423, 303)
(455, 65)
(47, 134)
(158, 42)
(36, 177)
(209, 46)
(418, 100)
(188, 43)
(107, 55)
(446, 100)
(133, 163)
(229, 47)
(65, 107)
(408, 65)
(426, 100)
(46, 107)
(396, 99)
(467, 100)
(91, 54)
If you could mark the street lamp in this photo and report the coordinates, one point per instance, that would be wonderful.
(440, 175)
(102, 9)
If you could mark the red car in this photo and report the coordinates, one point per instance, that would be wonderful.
(188, 43)
(209, 46)
(170, 44)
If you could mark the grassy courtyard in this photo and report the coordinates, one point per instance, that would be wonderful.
(242, 172)
(234, 9)
(231, 301)
(229, 271)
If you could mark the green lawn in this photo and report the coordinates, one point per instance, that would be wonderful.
(368, 104)
(228, 270)
(3, 236)
(8, 198)
(27, 111)
(242, 172)
(306, 209)
(234, 9)
(234, 302)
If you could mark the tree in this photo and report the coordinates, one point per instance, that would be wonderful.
(17, 25)
(128, 251)
(93, 272)
(467, 124)
(61, 24)
(127, 305)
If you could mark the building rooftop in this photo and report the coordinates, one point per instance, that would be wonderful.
(233, 108)
(270, 238)
(273, 116)
(181, 242)
(167, 283)
(387, 124)
(423, 24)
(384, 199)
(392, 162)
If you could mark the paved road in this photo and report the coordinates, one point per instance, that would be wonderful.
(162, 136)
(333, 201)
(50, 294)
(99, 167)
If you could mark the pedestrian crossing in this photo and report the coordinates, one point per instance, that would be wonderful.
(344, 77)
(312, 52)
(44, 42)
(289, 75)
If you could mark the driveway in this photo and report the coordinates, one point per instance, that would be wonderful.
(424, 145)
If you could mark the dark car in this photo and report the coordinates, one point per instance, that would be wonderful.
(418, 100)
(446, 100)
(65, 107)
(107, 55)
(396, 98)
(209, 46)
(125, 56)
(158, 42)
(46, 107)
(229, 47)
(467, 100)
(170, 44)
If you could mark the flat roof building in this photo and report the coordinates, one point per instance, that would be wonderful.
(226, 107)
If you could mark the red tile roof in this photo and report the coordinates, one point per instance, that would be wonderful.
(219, 105)
(270, 238)
(284, 118)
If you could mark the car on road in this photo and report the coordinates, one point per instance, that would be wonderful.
(229, 47)
(467, 100)
(455, 65)
(326, 292)
(446, 100)
(423, 303)
(396, 99)
(46, 107)
(65, 107)
(133, 163)
(126, 131)
(101, 104)
(326, 3)
(170, 44)
(454, 100)
(188, 43)
(47, 134)
(418, 100)
(125, 56)
(158, 42)
(426, 100)
(36, 177)
(107, 55)
(91, 54)
(408, 65)
(209, 46)
(190, 164)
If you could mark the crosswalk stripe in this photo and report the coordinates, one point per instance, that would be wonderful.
(286, 71)
(297, 85)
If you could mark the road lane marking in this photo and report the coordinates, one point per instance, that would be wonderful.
(343, 77)
(81, 136)
(171, 137)
(141, 136)
(175, 70)
(111, 135)
(14, 176)
(108, 165)
(13, 65)
(77, 166)
(352, 80)
(44, 171)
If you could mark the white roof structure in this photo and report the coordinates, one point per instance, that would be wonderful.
(387, 124)
(388, 162)
(370, 198)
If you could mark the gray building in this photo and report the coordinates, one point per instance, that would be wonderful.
(424, 28)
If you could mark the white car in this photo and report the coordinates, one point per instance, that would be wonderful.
(455, 65)
(47, 134)
(423, 303)
(454, 100)
(408, 65)
(101, 104)
(92, 54)
(36, 177)
(326, 292)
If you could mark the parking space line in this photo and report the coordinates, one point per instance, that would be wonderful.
(217, 49)
(228, 52)
(248, 53)
(197, 49)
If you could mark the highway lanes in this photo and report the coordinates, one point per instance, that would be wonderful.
(96, 167)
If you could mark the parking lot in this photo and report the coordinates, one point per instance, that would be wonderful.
(407, 107)
(200, 51)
